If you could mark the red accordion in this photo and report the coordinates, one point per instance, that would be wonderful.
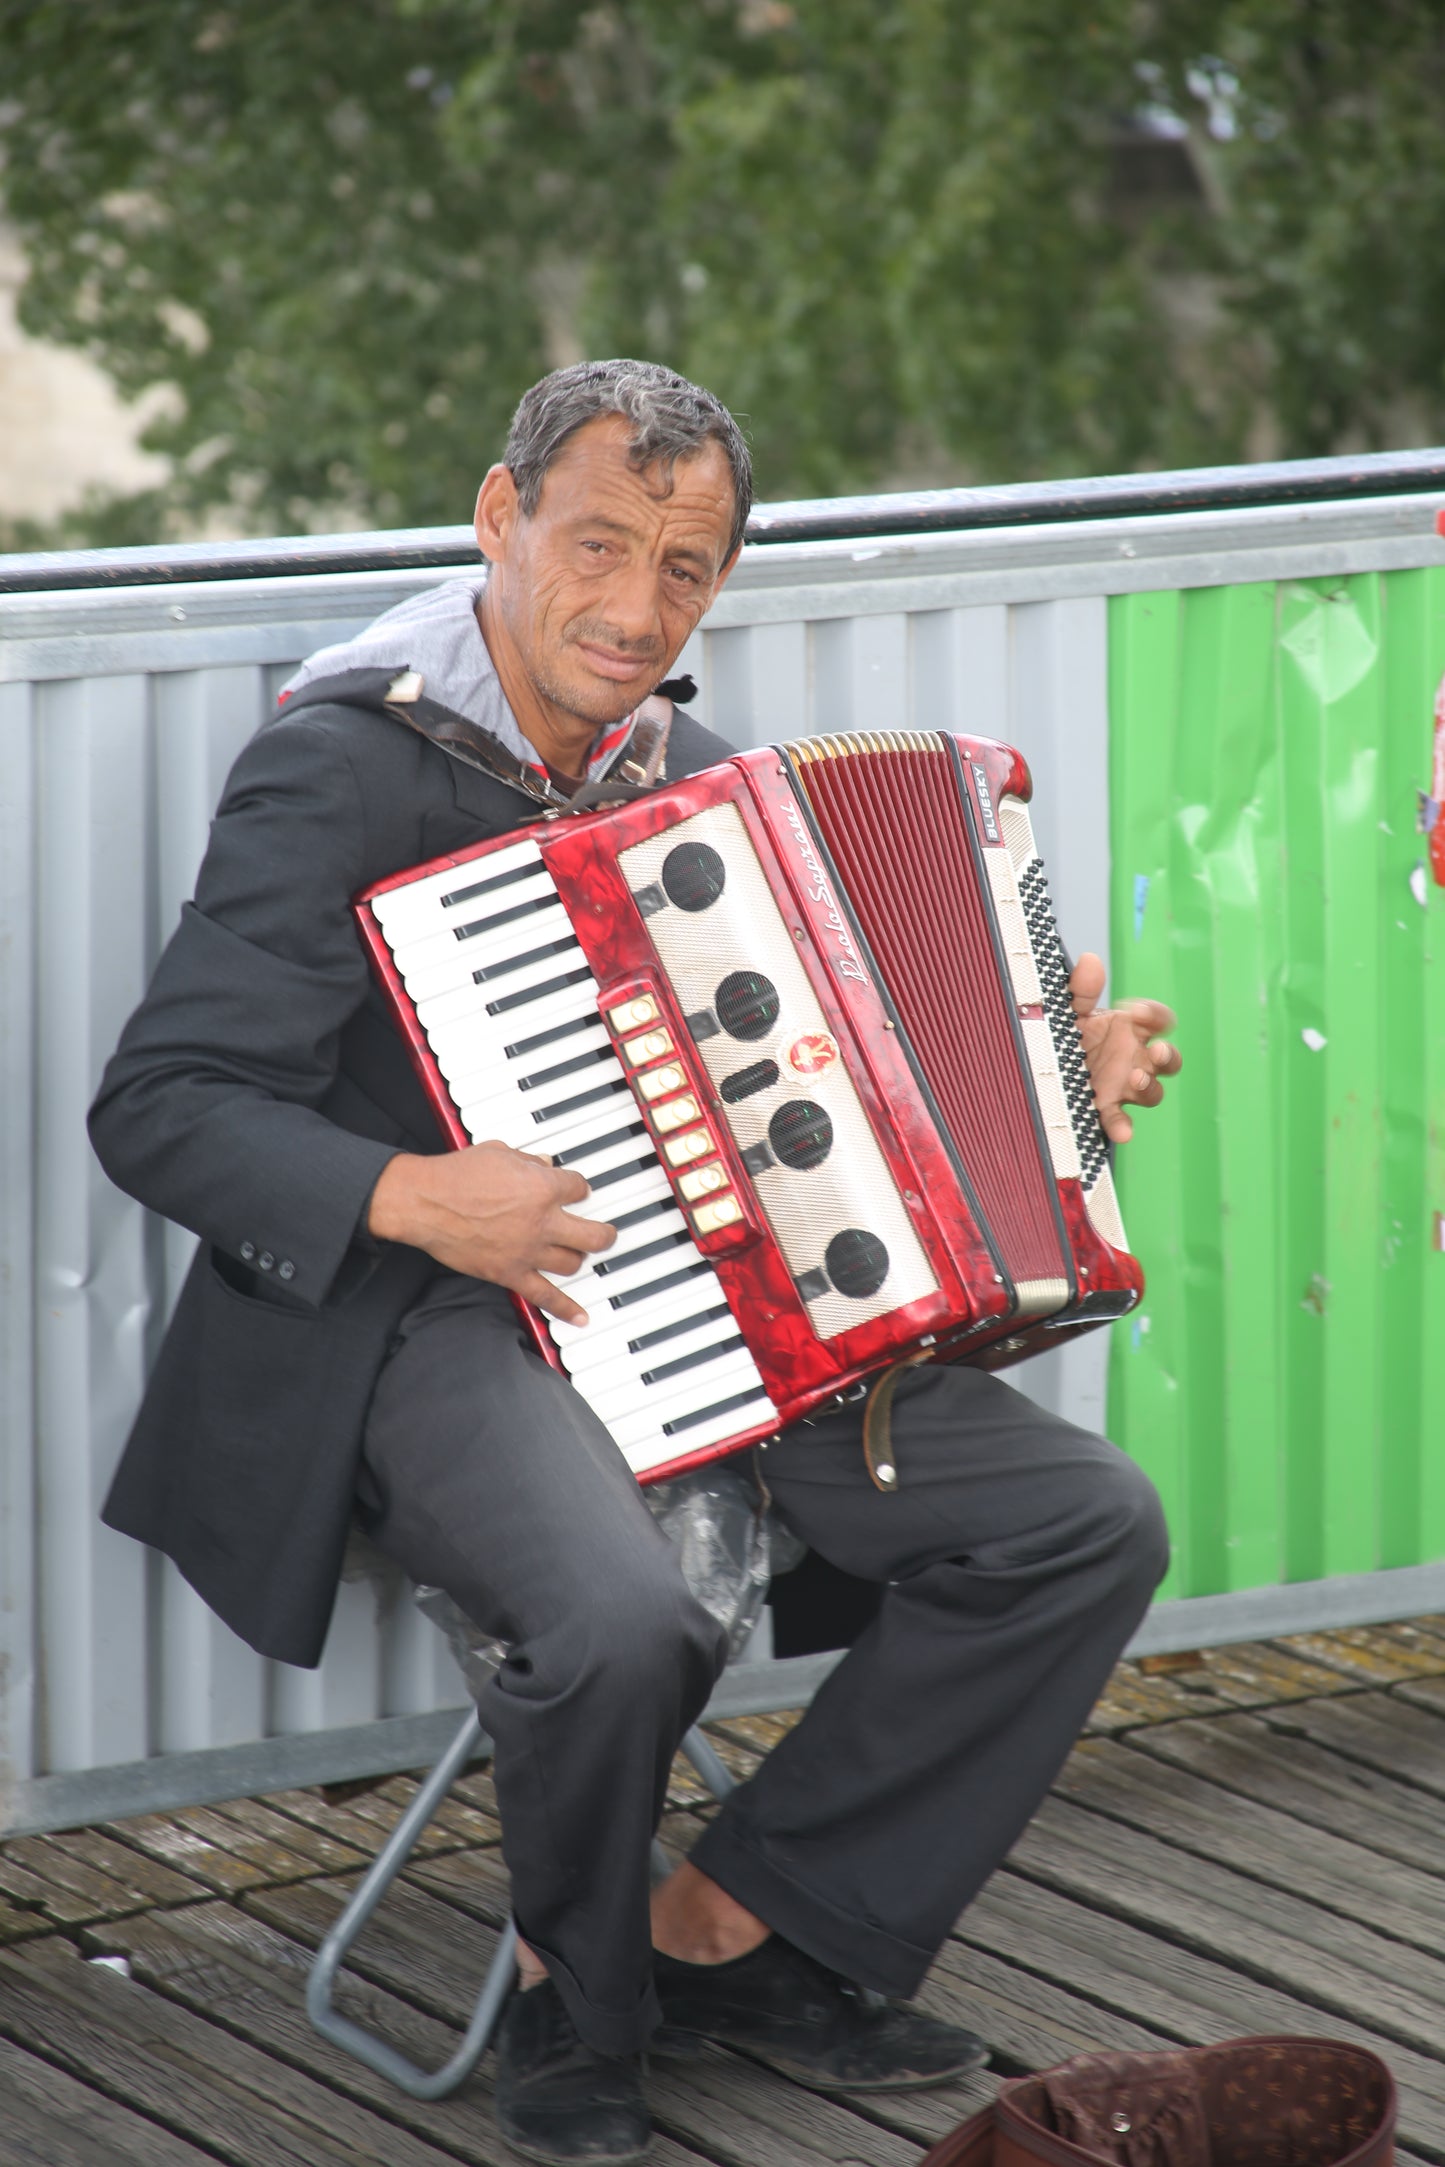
(803, 1023)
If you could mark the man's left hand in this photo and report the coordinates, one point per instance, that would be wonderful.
(1126, 1055)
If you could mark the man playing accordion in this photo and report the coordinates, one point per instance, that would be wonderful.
(346, 1345)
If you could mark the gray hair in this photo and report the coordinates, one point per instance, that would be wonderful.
(670, 419)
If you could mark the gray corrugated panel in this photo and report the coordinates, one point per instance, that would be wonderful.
(94, 873)
(17, 1234)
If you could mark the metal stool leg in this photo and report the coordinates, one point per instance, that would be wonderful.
(357, 2041)
(708, 1763)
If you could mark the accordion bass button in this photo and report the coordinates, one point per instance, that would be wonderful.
(682, 1150)
(650, 1047)
(633, 1015)
(675, 1114)
(656, 1083)
(703, 1181)
(722, 1211)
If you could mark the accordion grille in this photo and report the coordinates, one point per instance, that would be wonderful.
(895, 824)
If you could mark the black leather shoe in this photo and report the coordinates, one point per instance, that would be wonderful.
(557, 2100)
(780, 2007)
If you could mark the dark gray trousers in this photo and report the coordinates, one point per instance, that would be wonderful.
(1018, 1553)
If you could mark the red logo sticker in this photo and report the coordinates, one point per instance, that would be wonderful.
(813, 1052)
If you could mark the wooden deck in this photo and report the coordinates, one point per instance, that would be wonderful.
(1250, 1840)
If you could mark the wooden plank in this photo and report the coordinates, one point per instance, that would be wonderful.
(348, 1822)
(417, 1945)
(259, 1831)
(758, 1734)
(138, 1877)
(22, 1921)
(52, 2121)
(1372, 1654)
(678, 1831)
(1383, 1731)
(478, 1790)
(365, 1822)
(466, 1812)
(686, 1788)
(238, 1972)
(84, 1875)
(1248, 1675)
(745, 2114)
(1028, 2022)
(1268, 1933)
(223, 1851)
(209, 2087)
(1185, 1811)
(476, 1882)
(1426, 1693)
(1244, 1754)
(46, 1902)
(1255, 1673)
(1191, 1998)
(1431, 1631)
(923, 2116)
(470, 1815)
(1131, 1699)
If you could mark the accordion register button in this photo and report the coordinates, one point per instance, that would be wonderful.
(650, 1047)
(722, 1211)
(703, 1181)
(682, 1150)
(676, 1114)
(659, 1081)
(633, 1015)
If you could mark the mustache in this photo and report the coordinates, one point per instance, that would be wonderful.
(597, 632)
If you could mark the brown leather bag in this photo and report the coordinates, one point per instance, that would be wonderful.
(1246, 2103)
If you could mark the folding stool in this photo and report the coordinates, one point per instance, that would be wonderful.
(468, 1745)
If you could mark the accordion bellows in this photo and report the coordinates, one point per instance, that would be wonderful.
(803, 1023)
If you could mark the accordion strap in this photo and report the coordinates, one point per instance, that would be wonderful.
(878, 1422)
(638, 771)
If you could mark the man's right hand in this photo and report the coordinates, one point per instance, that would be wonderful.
(492, 1213)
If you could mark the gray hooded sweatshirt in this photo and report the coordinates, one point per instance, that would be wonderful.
(436, 633)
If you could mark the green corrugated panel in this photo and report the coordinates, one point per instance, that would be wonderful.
(1285, 1380)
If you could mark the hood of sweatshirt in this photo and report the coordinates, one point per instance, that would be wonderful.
(436, 634)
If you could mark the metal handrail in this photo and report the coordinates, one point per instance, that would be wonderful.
(929, 511)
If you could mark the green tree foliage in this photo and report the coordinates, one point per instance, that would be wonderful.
(904, 238)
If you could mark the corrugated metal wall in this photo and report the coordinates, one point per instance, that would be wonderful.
(1285, 1384)
(117, 725)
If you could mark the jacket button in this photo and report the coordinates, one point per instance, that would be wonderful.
(248, 1252)
(265, 1260)
(285, 1269)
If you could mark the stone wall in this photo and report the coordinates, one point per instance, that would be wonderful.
(64, 431)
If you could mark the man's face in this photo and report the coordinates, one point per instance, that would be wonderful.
(600, 587)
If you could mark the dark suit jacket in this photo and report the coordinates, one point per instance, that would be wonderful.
(255, 1096)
